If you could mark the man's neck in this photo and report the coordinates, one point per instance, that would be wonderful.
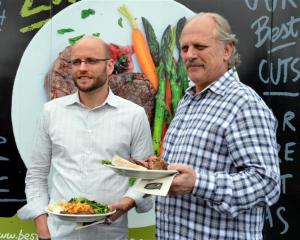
(94, 98)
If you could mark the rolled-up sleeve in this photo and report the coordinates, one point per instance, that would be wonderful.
(141, 148)
(37, 173)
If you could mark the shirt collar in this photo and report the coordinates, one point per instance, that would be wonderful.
(219, 86)
(111, 99)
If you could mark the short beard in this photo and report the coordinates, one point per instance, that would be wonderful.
(99, 83)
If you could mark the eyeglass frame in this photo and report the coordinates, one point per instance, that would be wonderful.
(87, 61)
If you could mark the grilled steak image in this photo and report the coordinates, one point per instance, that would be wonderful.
(124, 83)
(58, 81)
(136, 88)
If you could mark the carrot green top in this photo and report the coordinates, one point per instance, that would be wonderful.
(126, 13)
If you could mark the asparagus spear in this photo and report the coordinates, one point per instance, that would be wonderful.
(167, 48)
(159, 109)
(152, 41)
(180, 68)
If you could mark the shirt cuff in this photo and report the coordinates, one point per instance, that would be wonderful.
(31, 210)
(205, 185)
(143, 202)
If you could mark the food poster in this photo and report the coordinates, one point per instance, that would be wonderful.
(43, 73)
(34, 32)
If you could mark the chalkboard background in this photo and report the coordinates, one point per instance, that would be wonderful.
(269, 45)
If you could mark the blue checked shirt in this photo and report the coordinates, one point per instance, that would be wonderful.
(228, 134)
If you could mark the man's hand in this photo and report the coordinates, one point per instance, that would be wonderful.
(184, 182)
(42, 226)
(123, 206)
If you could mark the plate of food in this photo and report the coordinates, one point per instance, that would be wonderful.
(151, 168)
(79, 210)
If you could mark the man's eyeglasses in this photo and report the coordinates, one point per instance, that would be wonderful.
(87, 61)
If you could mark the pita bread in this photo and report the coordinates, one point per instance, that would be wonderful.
(121, 162)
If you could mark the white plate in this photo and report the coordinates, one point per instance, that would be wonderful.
(28, 92)
(81, 217)
(140, 173)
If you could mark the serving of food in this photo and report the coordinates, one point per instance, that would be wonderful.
(151, 168)
(79, 209)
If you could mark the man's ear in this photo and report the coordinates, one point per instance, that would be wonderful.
(110, 66)
(228, 50)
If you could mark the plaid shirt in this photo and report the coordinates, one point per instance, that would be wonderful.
(227, 133)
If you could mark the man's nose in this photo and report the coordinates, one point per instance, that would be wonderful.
(191, 53)
(83, 66)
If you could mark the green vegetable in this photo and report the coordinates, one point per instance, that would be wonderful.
(73, 40)
(64, 30)
(180, 68)
(179, 27)
(98, 208)
(120, 22)
(167, 48)
(106, 162)
(182, 74)
(87, 12)
(131, 181)
(121, 65)
(152, 41)
(159, 109)
(96, 34)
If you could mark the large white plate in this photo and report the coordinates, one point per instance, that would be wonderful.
(140, 173)
(81, 217)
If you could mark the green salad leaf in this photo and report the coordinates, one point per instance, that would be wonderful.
(131, 181)
(64, 30)
(73, 40)
(120, 22)
(96, 34)
(87, 12)
(106, 162)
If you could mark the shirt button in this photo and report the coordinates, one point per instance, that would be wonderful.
(158, 208)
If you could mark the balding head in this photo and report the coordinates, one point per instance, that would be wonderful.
(92, 42)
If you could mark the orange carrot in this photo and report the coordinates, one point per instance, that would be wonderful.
(141, 48)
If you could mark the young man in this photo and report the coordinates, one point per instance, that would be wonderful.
(222, 142)
(74, 134)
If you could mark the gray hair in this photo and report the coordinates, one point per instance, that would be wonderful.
(223, 34)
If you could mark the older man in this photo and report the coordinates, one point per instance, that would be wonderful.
(222, 142)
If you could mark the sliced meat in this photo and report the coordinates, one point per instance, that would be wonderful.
(155, 162)
(152, 162)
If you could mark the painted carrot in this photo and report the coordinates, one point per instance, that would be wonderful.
(141, 48)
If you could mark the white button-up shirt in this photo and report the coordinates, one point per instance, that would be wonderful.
(72, 140)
